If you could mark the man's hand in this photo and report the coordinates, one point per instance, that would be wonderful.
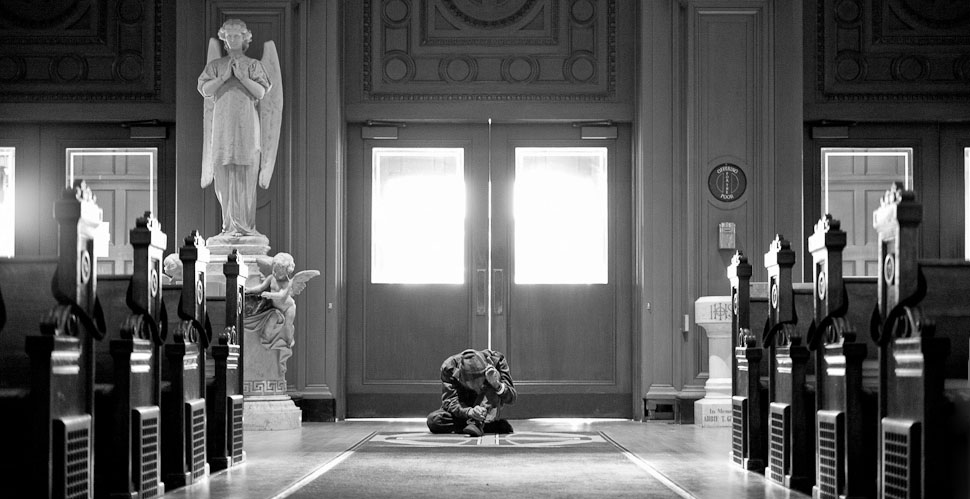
(477, 413)
(492, 376)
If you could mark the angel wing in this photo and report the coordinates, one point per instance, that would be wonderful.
(215, 52)
(270, 114)
(299, 280)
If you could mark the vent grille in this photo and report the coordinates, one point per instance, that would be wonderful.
(779, 426)
(830, 432)
(145, 466)
(739, 423)
(72, 456)
(236, 428)
(900, 458)
(195, 420)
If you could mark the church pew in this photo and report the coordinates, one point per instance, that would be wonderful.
(49, 323)
(923, 329)
(791, 414)
(183, 370)
(128, 395)
(846, 417)
(749, 398)
(224, 395)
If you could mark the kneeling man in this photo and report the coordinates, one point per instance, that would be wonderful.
(474, 387)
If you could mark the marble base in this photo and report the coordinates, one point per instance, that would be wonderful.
(713, 412)
(215, 280)
(271, 413)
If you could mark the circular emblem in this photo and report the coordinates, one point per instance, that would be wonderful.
(774, 295)
(154, 283)
(821, 285)
(889, 269)
(727, 182)
(85, 266)
(199, 290)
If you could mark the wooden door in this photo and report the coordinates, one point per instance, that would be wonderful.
(543, 274)
(128, 175)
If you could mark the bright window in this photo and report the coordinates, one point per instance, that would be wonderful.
(8, 201)
(418, 216)
(561, 215)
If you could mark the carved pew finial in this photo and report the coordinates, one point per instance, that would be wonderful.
(826, 246)
(779, 261)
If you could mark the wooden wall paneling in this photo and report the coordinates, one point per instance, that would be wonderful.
(881, 59)
(954, 141)
(523, 60)
(319, 212)
(660, 292)
(729, 122)
(191, 202)
(86, 60)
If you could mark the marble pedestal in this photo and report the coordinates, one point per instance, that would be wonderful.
(215, 284)
(713, 313)
(267, 405)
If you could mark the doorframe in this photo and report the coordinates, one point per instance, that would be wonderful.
(639, 190)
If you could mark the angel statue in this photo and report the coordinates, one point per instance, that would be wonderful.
(241, 126)
(273, 314)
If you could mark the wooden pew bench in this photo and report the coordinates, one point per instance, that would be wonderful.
(791, 394)
(48, 326)
(128, 373)
(183, 370)
(751, 363)
(218, 362)
(923, 330)
(846, 356)
(224, 372)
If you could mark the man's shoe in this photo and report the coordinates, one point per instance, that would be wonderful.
(500, 426)
(472, 429)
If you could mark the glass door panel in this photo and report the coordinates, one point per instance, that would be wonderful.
(560, 210)
(418, 216)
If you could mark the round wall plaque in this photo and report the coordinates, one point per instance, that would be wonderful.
(727, 182)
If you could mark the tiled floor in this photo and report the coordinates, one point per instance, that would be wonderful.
(692, 461)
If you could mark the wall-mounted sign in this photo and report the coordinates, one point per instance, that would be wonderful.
(727, 182)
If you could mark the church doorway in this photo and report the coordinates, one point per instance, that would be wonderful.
(513, 237)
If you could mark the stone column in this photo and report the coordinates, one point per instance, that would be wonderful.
(713, 313)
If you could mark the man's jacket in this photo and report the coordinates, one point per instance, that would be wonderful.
(459, 400)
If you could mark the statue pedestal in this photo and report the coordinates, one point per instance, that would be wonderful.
(267, 406)
(219, 250)
(713, 313)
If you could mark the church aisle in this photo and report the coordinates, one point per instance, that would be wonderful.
(691, 461)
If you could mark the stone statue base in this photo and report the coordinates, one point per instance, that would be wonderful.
(267, 406)
(271, 413)
(215, 281)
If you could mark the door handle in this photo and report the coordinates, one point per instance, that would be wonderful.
(498, 291)
(481, 295)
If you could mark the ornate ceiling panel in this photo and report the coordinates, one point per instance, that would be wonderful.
(80, 50)
(898, 50)
(489, 50)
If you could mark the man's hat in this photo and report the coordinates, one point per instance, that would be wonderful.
(472, 364)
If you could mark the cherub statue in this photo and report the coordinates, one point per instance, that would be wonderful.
(241, 126)
(172, 269)
(277, 289)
